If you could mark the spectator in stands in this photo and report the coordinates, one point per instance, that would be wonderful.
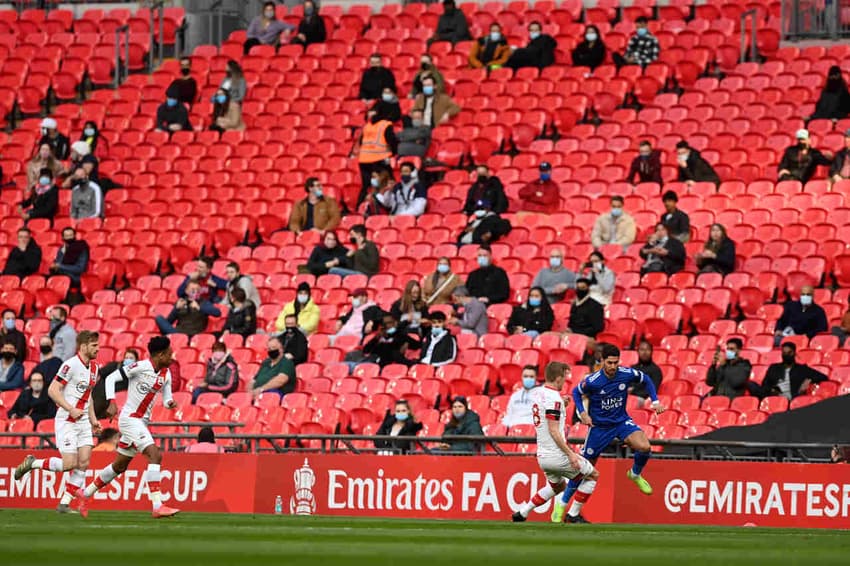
(295, 346)
(587, 316)
(839, 454)
(242, 316)
(43, 199)
(49, 364)
(235, 278)
(842, 331)
(729, 374)
(387, 107)
(305, 310)
(540, 51)
(519, 411)
(401, 422)
(439, 346)
(11, 370)
(362, 260)
(437, 107)
(225, 116)
(491, 51)
(108, 440)
(81, 158)
(789, 378)
(266, 29)
(677, 222)
(486, 187)
(98, 395)
(206, 443)
(541, 195)
(234, 83)
(646, 166)
(362, 319)
(328, 254)
(375, 79)
(834, 101)
(42, 159)
(693, 168)
(427, 68)
(376, 145)
(390, 345)
(484, 226)
(409, 196)
(33, 401)
(662, 254)
(800, 161)
(556, 279)
(534, 317)
(382, 184)
(222, 373)
(63, 334)
(276, 374)
(592, 357)
(801, 317)
(90, 135)
(489, 283)
(316, 211)
(72, 259)
(840, 168)
(437, 287)
(25, 258)
(591, 51)
(210, 284)
(86, 197)
(410, 310)
(189, 316)
(452, 25)
(172, 116)
(474, 318)
(59, 144)
(642, 48)
(311, 28)
(718, 255)
(10, 333)
(615, 227)
(186, 87)
(464, 422)
(415, 139)
(647, 366)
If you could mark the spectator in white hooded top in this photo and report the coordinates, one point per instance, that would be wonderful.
(602, 279)
(521, 402)
(408, 197)
(237, 279)
(86, 197)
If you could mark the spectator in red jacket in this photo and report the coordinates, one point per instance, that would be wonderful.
(646, 166)
(541, 195)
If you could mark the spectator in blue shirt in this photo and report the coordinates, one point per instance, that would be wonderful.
(11, 370)
(210, 284)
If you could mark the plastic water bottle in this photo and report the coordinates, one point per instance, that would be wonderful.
(278, 505)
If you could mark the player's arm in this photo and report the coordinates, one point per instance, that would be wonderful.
(111, 380)
(167, 397)
(56, 392)
(641, 377)
(95, 424)
(578, 399)
(553, 423)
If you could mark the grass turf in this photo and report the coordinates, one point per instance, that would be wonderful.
(129, 539)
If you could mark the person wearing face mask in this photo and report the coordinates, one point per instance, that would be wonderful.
(72, 259)
(222, 374)
(408, 197)
(48, 363)
(415, 139)
(542, 194)
(294, 342)
(642, 49)
(242, 316)
(693, 168)
(800, 161)
(484, 226)
(410, 310)
(520, 404)
(374, 148)
(437, 107)
(387, 107)
(718, 255)
(489, 283)
(677, 222)
(842, 330)
(587, 316)
(427, 68)
(43, 158)
(305, 310)
(534, 317)
(33, 402)
(801, 317)
(98, 394)
(210, 283)
(25, 258)
(834, 100)
(590, 52)
(789, 378)
(311, 28)
(473, 319)
(63, 334)
(464, 422)
(729, 374)
(330, 253)
(378, 197)
(172, 115)
(225, 116)
(11, 370)
(185, 86)
(59, 143)
(540, 51)
(662, 254)
(266, 29)
(363, 259)
(43, 201)
(317, 211)
(646, 166)
(614, 227)
(86, 197)
(10, 333)
(189, 316)
(452, 25)
(438, 286)
(840, 168)
(391, 344)
(237, 279)
(375, 79)
(491, 51)
(234, 83)
(83, 164)
(276, 374)
(90, 135)
(439, 346)
(556, 279)
(362, 319)
(400, 422)
(486, 187)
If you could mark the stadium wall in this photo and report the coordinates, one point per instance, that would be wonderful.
(457, 487)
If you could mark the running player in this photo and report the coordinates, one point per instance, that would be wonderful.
(75, 420)
(555, 457)
(607, 391)
(146, 378)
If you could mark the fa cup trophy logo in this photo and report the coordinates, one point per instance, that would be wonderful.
(303, 502)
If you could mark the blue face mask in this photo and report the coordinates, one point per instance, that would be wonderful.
(483, 261)
(171, 101)
(730, 354)
(391, 330)
(642, 31)
(401, 416)
(427, 90)
(435, 332)
(528, 382)
(220, 98)
(387, 97)
(44, 180)
(89, 132)
(555, 261)
(318, 193)
(616, 212)
(533, 302)
(374, 183)
(806, 300)
(128, 362)
(495, 36)
(442, 268)
(545, 176)
(480, 213)
(533, 35)
(9, 323)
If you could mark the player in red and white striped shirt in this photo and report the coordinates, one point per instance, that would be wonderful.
(75, 420)
(147, 378)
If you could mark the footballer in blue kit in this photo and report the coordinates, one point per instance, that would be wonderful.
(606, 391)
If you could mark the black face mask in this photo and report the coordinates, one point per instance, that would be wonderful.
(290, 330)
(185, 72)
(273, 354)
(353, 240)
(424, 66)
(8, 356)
(581, 293)
(788, 359)
(69, 240)
(45, 349)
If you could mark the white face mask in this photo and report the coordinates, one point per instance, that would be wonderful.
(302, 298)
(356, 302)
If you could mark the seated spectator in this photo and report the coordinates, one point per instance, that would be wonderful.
(294, 341)
(693, 168)
(587, 316)
(729, 374)
(489, 283)
(172, 116)
(380, 186)
(328, 254)
(225, 116)
(210, 284)
(362, 319)
(474, 318)
(266, 29)
(718, 256)
(242, 316)
(276, 374)
(415, 139)
(842, 331)
(311, 28)
(303, 308)
(464, 422)
(63, 334)
(800, 161)
(840, 168)
(81, 158)
(33, 402)
(59, 143)
(486, 187)
(234, 83)
(642, 48)
(10, 333)
(401, 422)
(375, 79)
(452, 25)
(222, 374)
(362, 260)
(48, 363)
(86, 197)
(484, 227)
(592, 357)
(834, 100)
(646, 166)
(235, 278)
(108, 440)
(801, 317)
(390, 345)
(521, 401)
(90, 135)
(25, 258)
(98, 394)
(662, 254)
(316, 211)
(437, 107)
(556, 279)
(540, 51)
(541, 195)
(677, 222)
(408, 197)
(491, 51)
(43, 199)
(647, 366)
(789, 378)
(11, 370)
(205, 444)
(615, 227)
(591, 51)
(185, 86)
(410, 310)
(387, 107)
(72, 259)
(438, 286)
(374, 148)
(439, 346)
(44, 158)
(534, 317)
(189, 316)
(427, 68)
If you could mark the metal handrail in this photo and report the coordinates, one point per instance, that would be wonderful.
(125, 29)
(157, 7)
(753, 36)
(215, 14)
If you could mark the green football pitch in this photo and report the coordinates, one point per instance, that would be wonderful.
(127, 539)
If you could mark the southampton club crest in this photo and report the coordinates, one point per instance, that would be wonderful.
(303, 502)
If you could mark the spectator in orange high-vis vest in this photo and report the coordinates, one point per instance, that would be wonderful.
(376, 146)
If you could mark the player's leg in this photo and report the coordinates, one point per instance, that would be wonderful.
(67, 450)
(555, 484)
(152, 478)
(597, 440)
(76, 479)
(590, 476)
(639, 444)
(103, 478)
